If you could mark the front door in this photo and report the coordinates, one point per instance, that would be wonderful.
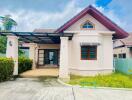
(51, 56)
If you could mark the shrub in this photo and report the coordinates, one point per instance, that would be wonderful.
(24, 64)
(6, 68)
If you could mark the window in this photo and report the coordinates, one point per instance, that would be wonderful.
(130, 49)
(115, 55)
(88, 52)
(123, 55)
(88, 25)
(40, 57)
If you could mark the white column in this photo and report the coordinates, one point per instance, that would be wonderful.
(12, 51)
(63, 70)
(32, 54)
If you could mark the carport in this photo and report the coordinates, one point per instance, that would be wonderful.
(13, 39)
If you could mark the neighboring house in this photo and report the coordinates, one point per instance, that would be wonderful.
(123, 47)
(82, 46)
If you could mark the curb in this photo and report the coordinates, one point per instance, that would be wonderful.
(64, 83)
(91, 87)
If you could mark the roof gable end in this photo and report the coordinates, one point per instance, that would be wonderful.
(120, 33)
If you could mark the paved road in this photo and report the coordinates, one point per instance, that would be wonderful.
(32, 89)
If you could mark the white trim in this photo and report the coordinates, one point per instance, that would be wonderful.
(101, 32)
(90, 43)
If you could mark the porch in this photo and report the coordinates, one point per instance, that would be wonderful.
(53, 45)
(46, 72)
(47, 55)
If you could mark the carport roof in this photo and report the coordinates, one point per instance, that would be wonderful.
(38, 37)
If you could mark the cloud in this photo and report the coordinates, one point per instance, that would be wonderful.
(123, 9)
(29, 20)
(112, 16)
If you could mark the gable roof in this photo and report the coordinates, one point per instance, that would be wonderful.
(127, 41)
(120, 33)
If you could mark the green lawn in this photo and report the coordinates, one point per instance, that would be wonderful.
(117, 80)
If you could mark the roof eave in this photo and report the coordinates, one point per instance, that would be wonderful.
(120, 33)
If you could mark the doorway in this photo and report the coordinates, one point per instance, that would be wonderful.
(51, 56)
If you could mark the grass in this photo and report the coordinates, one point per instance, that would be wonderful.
(117, 80)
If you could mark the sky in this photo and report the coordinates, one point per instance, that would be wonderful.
(32, 14)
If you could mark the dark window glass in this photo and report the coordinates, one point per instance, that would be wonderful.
(88, 52)
(92, 52)
(123, 55)
(84, 52)
(115, 55)
(87, 25)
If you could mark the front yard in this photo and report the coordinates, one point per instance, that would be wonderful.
(117, 80)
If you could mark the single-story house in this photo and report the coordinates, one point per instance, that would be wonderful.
(123, 47)
(82, 46)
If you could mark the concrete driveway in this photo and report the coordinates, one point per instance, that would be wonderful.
(32, 89)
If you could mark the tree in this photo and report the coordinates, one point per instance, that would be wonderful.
(3, 40)
(8, 23)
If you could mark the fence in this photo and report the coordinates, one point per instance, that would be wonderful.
(123, 65)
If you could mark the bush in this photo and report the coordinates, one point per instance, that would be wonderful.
(24, 64)
(6, 68)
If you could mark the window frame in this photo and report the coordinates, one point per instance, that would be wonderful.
(121, 55)
(88, 53)
(115, 55)
(87, 28)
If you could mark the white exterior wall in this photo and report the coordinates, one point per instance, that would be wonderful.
(104, 62)
(101, 35)
(12, 51)
(121, 50)
(117, 43)
(64, 59)
(98, 25)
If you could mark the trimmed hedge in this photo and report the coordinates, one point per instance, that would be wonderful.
(24, 64)
(6, 68)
